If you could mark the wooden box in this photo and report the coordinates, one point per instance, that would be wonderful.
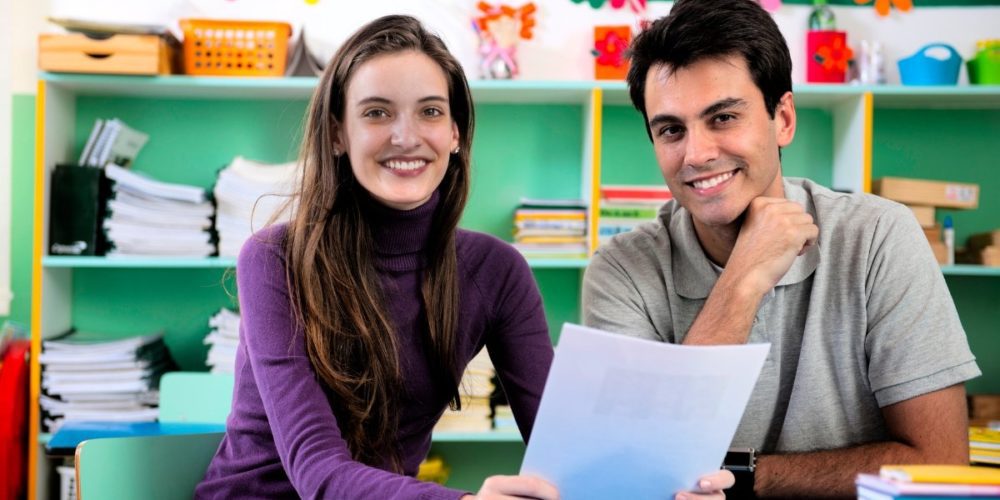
(929, 193)
(118, 54)
(924, 215)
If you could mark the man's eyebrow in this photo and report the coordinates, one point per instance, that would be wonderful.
(728, 103)
(723, 104)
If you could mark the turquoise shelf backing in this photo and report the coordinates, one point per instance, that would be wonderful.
(227, 262)
(138, 262)
(970, 270)
(477, 437)
(517, 91)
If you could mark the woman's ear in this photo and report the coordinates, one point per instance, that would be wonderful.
(455, 137)
(339, 144)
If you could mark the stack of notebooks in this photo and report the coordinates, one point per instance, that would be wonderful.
(111, 141)
(625, 207)
(84, 379)
(929, 482)
(249, 195)
(984, 445)
(475, 390)
(147, 217)
(551, 229)
(223, 340)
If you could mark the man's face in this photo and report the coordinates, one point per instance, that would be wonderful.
(716, 144)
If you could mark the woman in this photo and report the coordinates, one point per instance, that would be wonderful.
(359, 315)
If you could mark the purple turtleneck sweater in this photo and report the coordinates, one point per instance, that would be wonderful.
(282, 439)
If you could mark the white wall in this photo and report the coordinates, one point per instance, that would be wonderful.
(563, 36)
(20, 23)
(5, 152)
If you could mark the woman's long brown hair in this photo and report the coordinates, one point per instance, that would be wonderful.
(334, 288)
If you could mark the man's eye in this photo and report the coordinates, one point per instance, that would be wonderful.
(671, 131)
(725, 117)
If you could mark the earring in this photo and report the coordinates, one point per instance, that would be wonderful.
(457, 149)
(336, 152)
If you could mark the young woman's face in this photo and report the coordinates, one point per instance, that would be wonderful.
(398, 130)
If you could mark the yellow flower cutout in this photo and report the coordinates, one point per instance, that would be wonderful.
(882, 6)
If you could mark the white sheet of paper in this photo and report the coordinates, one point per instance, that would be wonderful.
(623, 417)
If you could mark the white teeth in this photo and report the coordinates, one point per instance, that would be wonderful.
(713, 181)
(405, 165)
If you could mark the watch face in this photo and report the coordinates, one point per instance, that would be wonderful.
(740, 459)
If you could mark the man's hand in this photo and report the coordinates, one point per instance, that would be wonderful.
(774, 232)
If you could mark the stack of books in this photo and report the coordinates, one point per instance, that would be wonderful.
(146, 217)
(984, 445)
(929, 482)
(551, 229)
(625, 207)
(112, 141)
(475, 390)
(249, 195)
(223, 340)
(84, 379)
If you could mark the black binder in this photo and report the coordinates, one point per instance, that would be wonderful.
(78, 196)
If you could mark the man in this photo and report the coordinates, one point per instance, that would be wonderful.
(867, 353)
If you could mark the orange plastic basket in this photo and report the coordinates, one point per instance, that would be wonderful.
(235, 48)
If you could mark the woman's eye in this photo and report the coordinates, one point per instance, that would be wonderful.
(433, 112)
(375, 113)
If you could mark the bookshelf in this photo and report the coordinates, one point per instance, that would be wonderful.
(537, 139)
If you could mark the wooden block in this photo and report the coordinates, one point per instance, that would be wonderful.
(990, 256)
(940, 252)
(928, 193)
(119, 54)
(982, 240)
(933, 233)
(924, 215)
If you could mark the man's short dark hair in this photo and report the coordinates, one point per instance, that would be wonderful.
(709, 29)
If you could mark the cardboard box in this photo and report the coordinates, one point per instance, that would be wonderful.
(990, 256)
(928, 193)
(984, 406)
(119, 54)
(924, 215)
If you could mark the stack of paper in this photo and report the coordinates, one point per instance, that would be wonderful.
(152, 218)
(249, 195)
(112, 141)
(551, 229)
(223, 341)
(929, 481)
(984, 445)
(107, 380)
(475, 390)
(625, 207)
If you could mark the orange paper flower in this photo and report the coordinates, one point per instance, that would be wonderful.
(502, 14)
(882, 6)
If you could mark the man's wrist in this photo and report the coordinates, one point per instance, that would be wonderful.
(742, 462)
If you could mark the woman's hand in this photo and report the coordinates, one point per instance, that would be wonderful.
(710, 487)
(511, 487)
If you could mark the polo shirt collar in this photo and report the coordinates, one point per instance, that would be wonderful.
(694, 275)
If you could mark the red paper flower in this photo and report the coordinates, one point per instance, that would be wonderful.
(610, 49)
(835, 55)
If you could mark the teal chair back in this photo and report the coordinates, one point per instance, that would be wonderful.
(163, 467)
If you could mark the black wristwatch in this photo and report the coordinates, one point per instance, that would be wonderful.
(742, 462)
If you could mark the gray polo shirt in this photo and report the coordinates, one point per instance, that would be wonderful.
(863, 320)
